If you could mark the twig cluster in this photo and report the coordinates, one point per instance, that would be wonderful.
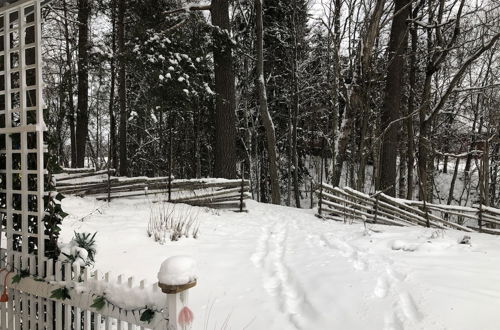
(169, 221)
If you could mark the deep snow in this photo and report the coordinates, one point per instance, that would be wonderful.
(283, 268)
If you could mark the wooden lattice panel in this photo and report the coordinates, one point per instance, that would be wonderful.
(21, 129)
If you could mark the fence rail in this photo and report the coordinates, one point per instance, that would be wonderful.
(350, 205)
(213, 193)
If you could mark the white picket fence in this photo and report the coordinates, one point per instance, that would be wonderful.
(30, 305)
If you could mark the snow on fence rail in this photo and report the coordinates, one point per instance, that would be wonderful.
(213, 193)
(348, 204)
(69, 297)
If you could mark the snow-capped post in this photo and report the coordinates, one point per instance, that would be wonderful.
(177, 275)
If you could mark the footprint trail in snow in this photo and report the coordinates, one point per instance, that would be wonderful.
(278, 279)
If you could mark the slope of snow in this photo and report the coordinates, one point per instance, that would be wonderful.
(283, 268)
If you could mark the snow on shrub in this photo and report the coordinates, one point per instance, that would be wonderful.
(168, 221)
(80, 250)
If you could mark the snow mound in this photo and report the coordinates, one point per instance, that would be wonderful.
(121, 295)
(405, 246)
(178, 270)
(71, 252)
(424, 246)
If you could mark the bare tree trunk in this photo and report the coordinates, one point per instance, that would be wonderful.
(122, 88)
(225, 113)
(494, 172)
(392, 97)
(113, 155)
(295, 115)
(335, 81)
(61, 116)
(453, 181)
(410, 147)
(289, 163)
(82, 119)
(402, 168)
(264, 110)
(69, 86)
(357, 100)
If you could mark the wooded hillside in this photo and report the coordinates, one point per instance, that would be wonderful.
(396, 96)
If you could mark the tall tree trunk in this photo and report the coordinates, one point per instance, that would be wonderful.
(122, 92)
(68, 78)
(296, 105)
(410, 148)
(425, 152)
(225, 107)
(113, 155)
(402, 167)
(453, 181)
(290, 158)
(392, 97)
(267, 121)
(82, 119)
(61, 116)
(357, 94)
(335, 81)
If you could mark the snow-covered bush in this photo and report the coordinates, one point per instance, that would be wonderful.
(80, 250)
(168, 221)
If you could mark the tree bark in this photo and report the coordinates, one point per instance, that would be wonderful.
(335, 81)
(357, 101)
(225, 107)
(68, 79)
(264, 110)
(113, 155)
(392, 97)
(122, 92)
(82, 119)
(296, 105)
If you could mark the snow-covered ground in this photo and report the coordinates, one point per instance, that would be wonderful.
(283, 268)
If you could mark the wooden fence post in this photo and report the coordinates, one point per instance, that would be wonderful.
(312, 193)
(109, 167)
(170, 187)
(376, 208)
(426, 210)
(320, 199)
(480, 217)
(242, 186)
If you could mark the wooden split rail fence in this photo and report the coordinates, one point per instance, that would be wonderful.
(212, 193)
(349, 205)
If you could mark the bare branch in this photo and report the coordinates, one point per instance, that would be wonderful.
(188, 9)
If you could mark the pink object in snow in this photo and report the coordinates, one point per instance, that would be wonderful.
(4, 298)
(185, 316)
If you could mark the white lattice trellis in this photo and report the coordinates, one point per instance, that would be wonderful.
(22, 167)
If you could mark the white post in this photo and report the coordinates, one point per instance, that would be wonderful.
(177, 275)
(173, 305)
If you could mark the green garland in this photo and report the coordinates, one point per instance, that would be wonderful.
(63, 293)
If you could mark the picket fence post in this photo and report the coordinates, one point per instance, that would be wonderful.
(180, 317)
